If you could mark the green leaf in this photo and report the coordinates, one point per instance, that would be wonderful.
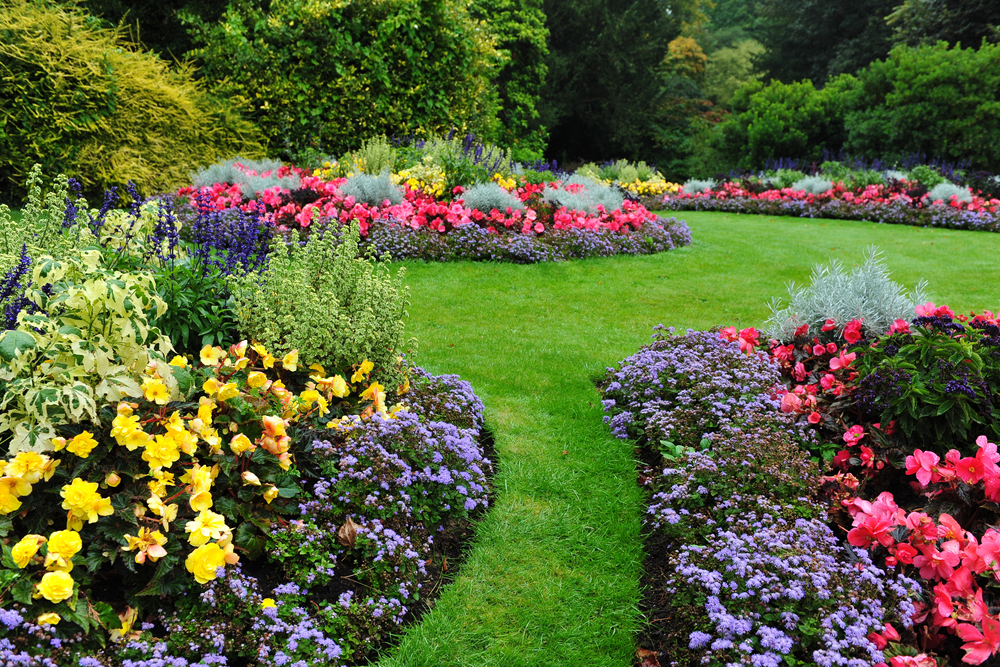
(7, 559)
(13, 342)
(23, 590)
(5, 526)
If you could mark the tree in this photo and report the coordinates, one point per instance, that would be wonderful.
(603, 84)
(156, 24)
(926, 22)
(819, 39)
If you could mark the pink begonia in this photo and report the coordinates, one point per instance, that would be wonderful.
(923, 465)
(843, 361)
(899, 326)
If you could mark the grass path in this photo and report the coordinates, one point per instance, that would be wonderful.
(552, 578)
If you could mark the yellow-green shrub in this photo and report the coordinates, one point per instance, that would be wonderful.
(79, 100)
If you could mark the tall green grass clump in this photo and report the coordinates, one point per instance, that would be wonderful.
(336, 307)
(81, 100)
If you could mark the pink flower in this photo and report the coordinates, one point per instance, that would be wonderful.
(979, 645)
(818, 350)
(802, 330)
(854, 434)
(852, 331)
(749, 339)
(843, 361)
(970, 470)
(791, 403)
(899, 326)
(729, 333)
(815, 417)
(829, 325)
(827, 381)
(831, 348)
(924, 465)
(934, 563)
(799, 372)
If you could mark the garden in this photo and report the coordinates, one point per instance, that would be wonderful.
(303, 366)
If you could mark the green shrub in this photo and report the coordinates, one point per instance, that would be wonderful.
(374, 157)
(321, 298)
(322, 74)
(79, 100)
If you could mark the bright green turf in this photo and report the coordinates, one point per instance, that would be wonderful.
(552, 578)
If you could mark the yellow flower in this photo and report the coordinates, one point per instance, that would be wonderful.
(113, 479)
(124, 425)
(82, 444)
(136, 439)
(49, 618)
(127, 618)
(227, 391)
(403, 388)
(268, 361)
(210, 356)
(256, 379)
(12, 488)
(206, 526)
(240, 349)
(161, 452)
(290, 362)
(125, 409)
(240, 443)
(273, 426)
(363, 371)
(59, 444)
(167, 513)
(309, 396)
(212, 439)
(204, 561)
(55, 587)
(84, 502)
(267, 603)
(179, 361)
(260, 349)
(271, 493)
(372, 391)
(241, 363)
(319, 371)
(162, 480)
(210, 387)
(63, 545)
(339, 387)
(31, 467)
(324, 407)
(205, 407)
(25, 550)
(148, 543)
(155, 391)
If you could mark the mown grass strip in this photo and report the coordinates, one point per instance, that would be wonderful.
(552, 578)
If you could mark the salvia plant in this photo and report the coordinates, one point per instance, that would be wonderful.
(835, 296)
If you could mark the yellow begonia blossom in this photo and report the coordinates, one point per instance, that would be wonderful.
(84, 502)
(240, 349)
(324, 407)
(403, 388)
(82, 444)
(339, 387)
(210, 386)
(260, 349)
(167, 513)
(210, 356)
(32, 467)
(372, 391)
(125, 409)
(271, 493)
(59, 444)
(128, 618)
(205, 408)
(319, 371)
(256, 379)
(240, 443)
(149, 543)
(228, 390)
(26, 548)
(241, 363)
(161, 452)
(204, 562)
(113, 479)
(48, 618)
(290, 362)
(309, 396)
(154, 391)
(268, 361)
(179, 361)
(161, 480)
(212, 439)
(63, 545)
(250, 479)
(55, 587)
(206, 526)
(363, 371)
(273, 426)
(12, 488)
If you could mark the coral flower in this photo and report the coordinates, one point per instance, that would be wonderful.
(923, 465)
(149, 543)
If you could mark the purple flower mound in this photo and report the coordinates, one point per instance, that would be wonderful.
(680, 387)
(774, 587)
(474, 243)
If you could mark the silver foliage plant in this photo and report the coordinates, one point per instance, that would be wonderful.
(866, 293)
(693, 186)
(591, 195)
(372, 190)
(485, 197)
(945, 191)
(812, 184)
(250, 186)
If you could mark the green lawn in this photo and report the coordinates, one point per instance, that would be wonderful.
(552, 578)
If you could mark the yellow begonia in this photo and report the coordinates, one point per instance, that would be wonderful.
(260, 349)
(205, 407)
(82, 444)
(161, 480)
(271, 493)
(363, 371)
(403, 388)
(309, 396)
(149, 543)
(204, 562)
(179, 361)
(206, 526)
(12, 488)
(318, 371)
(26, 548)
(167, 513)
(55, 587)
(256, 379)
(113, 479)
(84, 502)
(240, 443)
(155, 391)
(49, 618)
(161, 452)
(339, 387)
(210, 387)
(31, 467)
(227, 391)
(240, 349)
(63, 545)
(290, 362)
(125, 409)
(210, 356)
(250, 479)
(241, 363)
(128, 618)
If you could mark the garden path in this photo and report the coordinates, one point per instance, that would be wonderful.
(552, 576)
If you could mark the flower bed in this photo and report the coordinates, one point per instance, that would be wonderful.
(875, 203)
(425, 225)
(759, 558)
